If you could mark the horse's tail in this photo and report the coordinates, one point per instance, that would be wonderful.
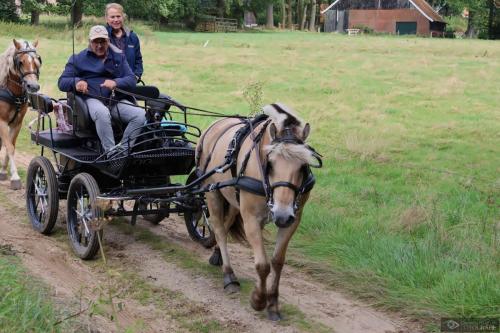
(236, 230)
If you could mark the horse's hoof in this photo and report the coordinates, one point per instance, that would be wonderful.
(232, 288)
(258, 301)
(3, 176)
(216, 258)
(231, 283)
(274, 316)
(15, 184)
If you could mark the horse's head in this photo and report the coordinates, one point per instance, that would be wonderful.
(288, 161)
(27, 65)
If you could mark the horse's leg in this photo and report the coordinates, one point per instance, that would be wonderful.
(3, 170)
(282, 239)
(15, 180)
(4, 137)
(215, 202)
(253, 232)
(229, 218)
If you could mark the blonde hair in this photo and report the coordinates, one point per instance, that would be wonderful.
(116, 6)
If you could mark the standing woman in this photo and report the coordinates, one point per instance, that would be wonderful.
(124, 38)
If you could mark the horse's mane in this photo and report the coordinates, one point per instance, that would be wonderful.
(7, 63)
(284, 117)
(290, 152)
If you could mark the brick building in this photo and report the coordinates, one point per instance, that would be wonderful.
(390, 16)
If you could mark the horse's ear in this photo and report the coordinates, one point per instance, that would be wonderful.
(272, 131)
(35, 44)
(17, 44)
(306, 131)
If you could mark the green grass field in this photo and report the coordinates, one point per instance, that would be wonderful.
(23, 303)
(406, 209)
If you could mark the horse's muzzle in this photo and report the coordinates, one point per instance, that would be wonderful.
(31, 86)
(283, 220)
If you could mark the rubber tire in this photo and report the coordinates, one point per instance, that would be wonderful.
(153, 218)
(43, 164)
(191, 220)
(89, 183)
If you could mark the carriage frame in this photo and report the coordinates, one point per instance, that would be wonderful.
(132, 182)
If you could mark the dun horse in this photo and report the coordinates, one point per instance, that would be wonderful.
(270, 180)
(19, 73)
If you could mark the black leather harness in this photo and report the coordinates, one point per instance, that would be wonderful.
(17, 100)
(249, 184)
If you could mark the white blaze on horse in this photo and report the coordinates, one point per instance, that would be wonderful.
(19, 73)
(270, 178)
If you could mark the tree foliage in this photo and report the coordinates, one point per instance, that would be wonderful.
(8, 11)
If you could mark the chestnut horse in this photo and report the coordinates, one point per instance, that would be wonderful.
(271, 179)
(19, 73)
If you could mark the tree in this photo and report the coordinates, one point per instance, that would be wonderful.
(313, 16)
(77, 13)
(34, 7)
(8, 11)
(270, 16)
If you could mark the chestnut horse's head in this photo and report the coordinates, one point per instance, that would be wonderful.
(26, 65)
(288, 161)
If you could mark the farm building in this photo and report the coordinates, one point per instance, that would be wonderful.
(390, 16)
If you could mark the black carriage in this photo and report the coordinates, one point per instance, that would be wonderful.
(136, 180)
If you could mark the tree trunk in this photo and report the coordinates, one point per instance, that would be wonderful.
(289, 15)
(270, 16)
(313, 16)
(299, 12)
(221, 8)
(490, 19)
(77, 13)
(303, 23)
(283, 14)
(470, 32)
(35, 18)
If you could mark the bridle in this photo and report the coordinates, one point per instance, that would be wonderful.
(19, 68)
(22, 98)
(308, 180)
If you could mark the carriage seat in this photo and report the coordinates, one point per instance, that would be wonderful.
(79, 117)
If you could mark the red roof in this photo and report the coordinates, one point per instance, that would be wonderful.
(427, 10)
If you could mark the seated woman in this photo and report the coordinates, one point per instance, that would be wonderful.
(124, 38)
(95, 72)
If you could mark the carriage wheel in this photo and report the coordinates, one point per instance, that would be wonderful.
(153, 218)
(42, 195)
(196, 222)
(82, 193)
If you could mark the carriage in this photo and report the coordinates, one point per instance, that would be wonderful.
(131, 182)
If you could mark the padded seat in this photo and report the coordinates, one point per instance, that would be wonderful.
(79, 117)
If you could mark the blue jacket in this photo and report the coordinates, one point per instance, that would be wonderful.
(132, 49)
(88, 67)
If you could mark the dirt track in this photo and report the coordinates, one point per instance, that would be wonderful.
(76, 284)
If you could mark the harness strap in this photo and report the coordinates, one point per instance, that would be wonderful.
(7, 96)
